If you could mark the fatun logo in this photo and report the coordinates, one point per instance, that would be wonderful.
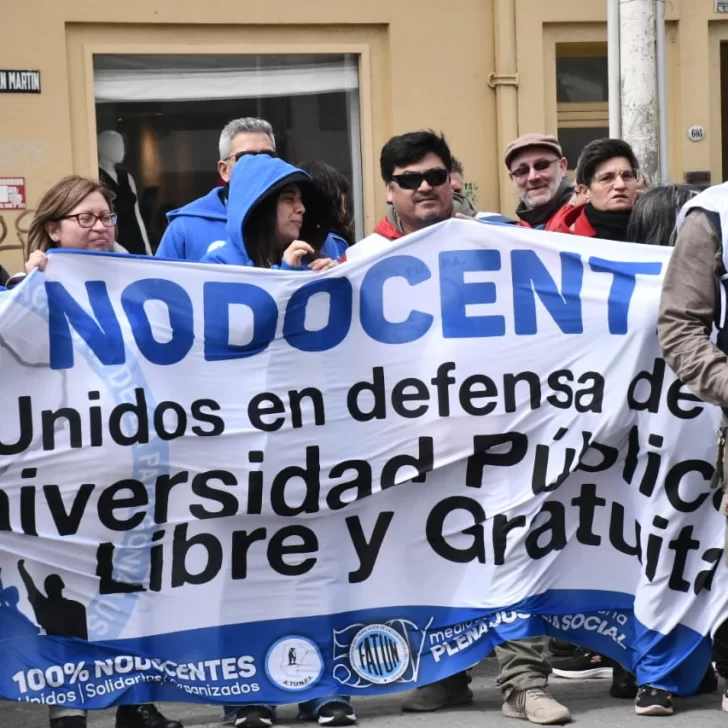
(379, 654)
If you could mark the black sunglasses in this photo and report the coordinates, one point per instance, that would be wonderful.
(412, 180)
(237, 157)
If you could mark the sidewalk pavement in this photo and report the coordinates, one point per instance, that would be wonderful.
(588, 701)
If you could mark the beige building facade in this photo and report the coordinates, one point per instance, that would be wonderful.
(336, 80)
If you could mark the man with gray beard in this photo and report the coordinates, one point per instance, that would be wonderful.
(537, 168)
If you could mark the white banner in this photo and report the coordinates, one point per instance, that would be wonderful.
(228, 485)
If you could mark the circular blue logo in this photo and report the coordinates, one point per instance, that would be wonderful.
(379, 654)
(294, 663)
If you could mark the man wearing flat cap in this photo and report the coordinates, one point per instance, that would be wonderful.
(537, 168)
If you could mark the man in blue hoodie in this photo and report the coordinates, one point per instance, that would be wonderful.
(199, 226)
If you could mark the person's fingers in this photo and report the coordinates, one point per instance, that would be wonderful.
(297, 256)
(322, 264)
(302, 244)
(38, 260)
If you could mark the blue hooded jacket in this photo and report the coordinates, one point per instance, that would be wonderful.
(194, 228)
(254, 178)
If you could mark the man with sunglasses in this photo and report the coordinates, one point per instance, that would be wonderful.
(416, 171)
(537, 168)
(199, 227)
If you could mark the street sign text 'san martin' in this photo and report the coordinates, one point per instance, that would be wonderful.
(19, 82)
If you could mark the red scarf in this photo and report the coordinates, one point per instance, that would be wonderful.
(387, 230)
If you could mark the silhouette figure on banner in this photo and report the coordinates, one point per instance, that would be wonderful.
(292, 656)
(57, 615)
(12, 620)
(9, 596)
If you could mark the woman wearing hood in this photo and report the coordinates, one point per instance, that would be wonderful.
(276, 219)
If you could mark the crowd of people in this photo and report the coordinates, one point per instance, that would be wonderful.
(272, 214)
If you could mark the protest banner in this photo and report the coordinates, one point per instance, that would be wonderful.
(232, 485)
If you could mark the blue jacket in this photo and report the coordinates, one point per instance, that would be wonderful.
(194, 228)
(253, 178)
(335, 241)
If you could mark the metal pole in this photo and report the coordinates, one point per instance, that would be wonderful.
(662, 92)
(505, 83)
(615, 110)
(638, 72)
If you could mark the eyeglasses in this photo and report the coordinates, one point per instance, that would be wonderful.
(540, 166)
(609, 178)
(88, 219)
(236, 157)
(412, 180)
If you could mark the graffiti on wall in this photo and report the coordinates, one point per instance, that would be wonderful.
(14, 236)
(26, 155)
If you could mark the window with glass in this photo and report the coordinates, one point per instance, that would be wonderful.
(582, 96)
(170, 110)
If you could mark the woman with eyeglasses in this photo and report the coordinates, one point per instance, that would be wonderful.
(77, 214)
(607, 175)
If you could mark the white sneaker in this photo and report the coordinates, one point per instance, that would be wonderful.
(537, 706)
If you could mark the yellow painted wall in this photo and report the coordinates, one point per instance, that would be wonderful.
(428, 66)
(424, 64)
(693, 36)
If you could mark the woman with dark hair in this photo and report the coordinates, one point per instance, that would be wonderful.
(276, 218)
(654, 216)
(334, 187)
(607, 175)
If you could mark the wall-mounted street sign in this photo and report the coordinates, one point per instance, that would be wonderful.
(19, 82)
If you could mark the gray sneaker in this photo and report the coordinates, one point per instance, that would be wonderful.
(537, 706)
(447, 693)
